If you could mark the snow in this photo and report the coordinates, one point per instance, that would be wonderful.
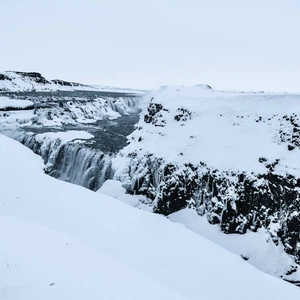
(257, 247)
(115, 189)
(64, 136)
(112, 188)
(227, 130)
(52, 264)
(74, 112)
(22, 83)
(61, 241)
(6, 103)
(15, 119)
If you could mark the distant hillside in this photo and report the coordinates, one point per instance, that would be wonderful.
(13, 81)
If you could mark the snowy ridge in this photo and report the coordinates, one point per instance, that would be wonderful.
(96, 247)
(13, 81)
(32, 81)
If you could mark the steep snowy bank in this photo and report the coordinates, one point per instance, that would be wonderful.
(257, 248)
(233, 157)
(60, 240)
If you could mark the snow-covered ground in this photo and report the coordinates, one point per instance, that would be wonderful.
(224, 130)
(10, 104)
(257, 248)
(61, 241)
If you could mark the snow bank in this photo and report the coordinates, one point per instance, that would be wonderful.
(257, 248)
(115, 189)
(62, 241)
(63, 136)
(11, 104)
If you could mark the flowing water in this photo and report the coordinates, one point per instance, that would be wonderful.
(88, 162)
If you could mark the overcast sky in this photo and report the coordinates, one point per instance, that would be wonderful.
(232, 44)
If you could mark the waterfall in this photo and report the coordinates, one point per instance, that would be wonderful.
(57, 111)
(73, 162)
(84, 163)
(81, 165)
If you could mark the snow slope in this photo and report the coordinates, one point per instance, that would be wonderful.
(60, 241)
(32, 81)
(13, 81)
(257, 248)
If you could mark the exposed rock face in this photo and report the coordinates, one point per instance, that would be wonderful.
(66, 83)
(170, 138)
(4, 77)
(36, 77)
(237, 202)
(154, 115)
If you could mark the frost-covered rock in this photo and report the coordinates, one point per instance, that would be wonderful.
(236, 155)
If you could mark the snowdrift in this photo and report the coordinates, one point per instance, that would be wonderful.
(62, 241)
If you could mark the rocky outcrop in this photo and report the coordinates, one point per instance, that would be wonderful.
(265, 195)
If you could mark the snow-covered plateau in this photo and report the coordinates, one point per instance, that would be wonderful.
(226, 165)
(61, 241)
(233, 157)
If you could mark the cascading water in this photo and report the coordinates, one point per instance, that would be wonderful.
(107, 117)
(81, 165)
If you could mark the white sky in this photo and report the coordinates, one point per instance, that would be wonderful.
(232, 44)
